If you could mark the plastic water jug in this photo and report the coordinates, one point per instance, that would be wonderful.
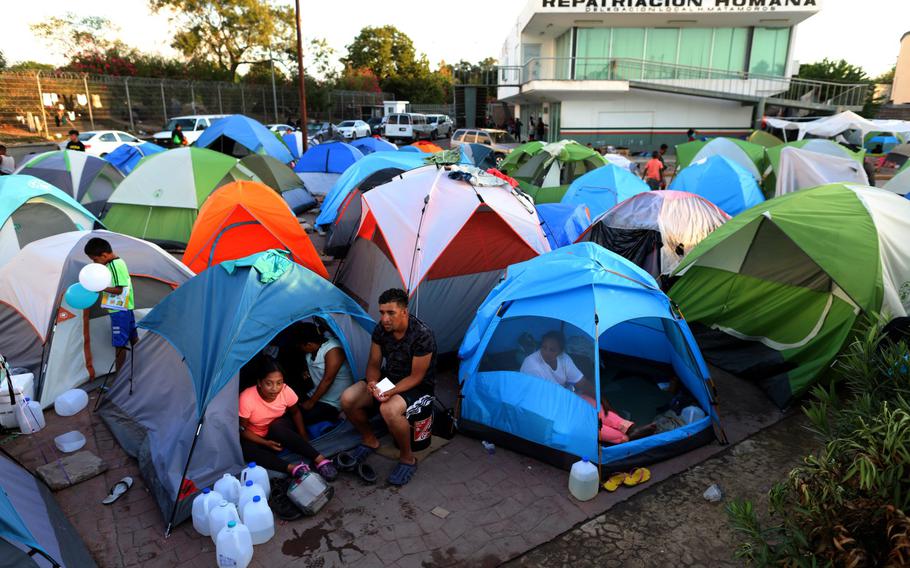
(202, 504)
(229, 488)
(258, 475)
(23, 385)
(29, 416)
(220, 515)
(233, 546)
(310, 492)
(583, 480)
(247, 492)
(691, 414)
(257, 516)
(71, 402)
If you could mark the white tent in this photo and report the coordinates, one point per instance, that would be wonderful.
(801, 169)
(64, 347)
(831, 126)
(900, 183)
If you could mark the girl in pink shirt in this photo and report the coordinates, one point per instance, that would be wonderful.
(270, 421)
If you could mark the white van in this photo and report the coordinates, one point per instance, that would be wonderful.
(192, 127)
(408, 126)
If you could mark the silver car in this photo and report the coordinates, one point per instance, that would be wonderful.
(500, 141)
(442, 125)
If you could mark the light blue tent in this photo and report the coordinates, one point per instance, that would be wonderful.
(721, 181)
(127, 156)
(603, 188)
(563, 223)
(477, 155)
(178, 416)
(226, 134)
(328, 158)
(369, 144)
(410, 148)
(641, 340)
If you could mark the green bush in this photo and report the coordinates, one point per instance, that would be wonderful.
(846, 505)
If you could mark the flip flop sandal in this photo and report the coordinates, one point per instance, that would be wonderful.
(639, 475)
(614, 481)
(117, 490)
(366, 473)
(327, 470)
(402, 474)
(345, 462)
(361, 453)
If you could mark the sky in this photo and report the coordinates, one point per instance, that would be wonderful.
(468, 29)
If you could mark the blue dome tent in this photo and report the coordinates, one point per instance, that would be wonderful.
(603, 188)
(226, 134)
(563, 223)
(127, 156)
(174, 415)
(410, 148)
(721, 181)
(477, 155)
(369, 144)
(640, 340)
(328, 158)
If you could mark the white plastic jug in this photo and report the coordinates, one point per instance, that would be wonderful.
(71, 402)
(233, 546)
(219, 517)
(29, 416)
(247, 492)
(257, 516)
(202, 504)
(229, 488)
(258, 475)
(584, 480)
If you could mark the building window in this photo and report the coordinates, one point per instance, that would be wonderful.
(660, 51)
(592, 50)
(563, 55)
(695, 50)
(769, 50)
(729, 50)
(628, 43)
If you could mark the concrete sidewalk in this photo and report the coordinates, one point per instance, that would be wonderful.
(499, 506)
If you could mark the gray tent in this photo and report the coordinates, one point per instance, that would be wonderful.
(34, 532)
(87, 179)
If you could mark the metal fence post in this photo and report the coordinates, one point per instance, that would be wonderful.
(129, 103)
(88, 98)
(242, 101)
(265, 108)
(193, 97)
(41, 103)
(163, 102)
(220, 106)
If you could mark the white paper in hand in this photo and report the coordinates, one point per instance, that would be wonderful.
(384, 385)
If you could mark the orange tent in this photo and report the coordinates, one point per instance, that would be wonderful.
(243, 218)
(427, 146)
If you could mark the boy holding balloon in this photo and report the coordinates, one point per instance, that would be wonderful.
(116, 295)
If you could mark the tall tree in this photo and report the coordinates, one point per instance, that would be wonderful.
(386, 51)
(69, 34)
(230, 33)
(829, 70)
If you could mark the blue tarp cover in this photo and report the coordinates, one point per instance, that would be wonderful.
(127, 156)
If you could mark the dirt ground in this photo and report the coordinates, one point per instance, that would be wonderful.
(672, 524)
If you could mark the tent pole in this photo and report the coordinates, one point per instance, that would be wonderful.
(600, 474)
(186, 468)
(104, 386)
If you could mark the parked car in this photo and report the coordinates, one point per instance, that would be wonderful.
(192, 127)
(281, 128)
(354, 129)
(320, 131)
(500, 141)
(409, 126)
(442, 125)
(376, 123)
(101, 142)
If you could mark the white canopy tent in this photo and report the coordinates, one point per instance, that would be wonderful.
(831, 126)
(801, 168)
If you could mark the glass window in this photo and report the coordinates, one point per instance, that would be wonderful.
(769, 50)
(484, 138)
(346, 123)
(459, 134)
(85, 136)
(694, 49)
(563, 53)
(183, 122)
(661, 48)
(592, 48)
(107, 137)
(404, 119)
(729, 51)
(628, 43)
(470, 138)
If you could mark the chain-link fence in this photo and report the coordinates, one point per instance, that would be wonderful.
(42, 103)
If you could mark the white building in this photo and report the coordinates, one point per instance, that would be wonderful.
(638, 73)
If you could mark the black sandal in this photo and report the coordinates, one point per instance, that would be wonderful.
(366, 473)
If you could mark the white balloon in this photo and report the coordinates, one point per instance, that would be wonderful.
(95, 277)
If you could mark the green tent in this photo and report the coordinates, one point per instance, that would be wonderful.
(159, 200)
(748, 155)
(547, 175)
(817, 145)
(519, 156)
(763, 138)
(778, 288)
(282, 179)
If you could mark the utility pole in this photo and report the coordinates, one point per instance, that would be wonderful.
(300, 78)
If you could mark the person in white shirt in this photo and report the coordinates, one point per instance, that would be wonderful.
(329, 370)
(551, 363)
(7, 163)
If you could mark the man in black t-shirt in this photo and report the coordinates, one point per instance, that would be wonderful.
(404, 351)
(74, 142)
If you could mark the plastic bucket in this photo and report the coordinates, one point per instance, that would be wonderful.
(421, 428)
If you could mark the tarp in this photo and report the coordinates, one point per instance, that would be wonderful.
(800, 169)
(603, 188)
(722, 182)
(815, 145)
(600, 300)
(127, 156)
(160, 199)
(328, 158)
(282, 179)
(563, 223)
(747, 155)
(225, 134)
(88, 179)
(370, 144)
(831, 126)
(243, 218)
(61, 345)
(655, 230)
(31, 209)
(793, 274)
